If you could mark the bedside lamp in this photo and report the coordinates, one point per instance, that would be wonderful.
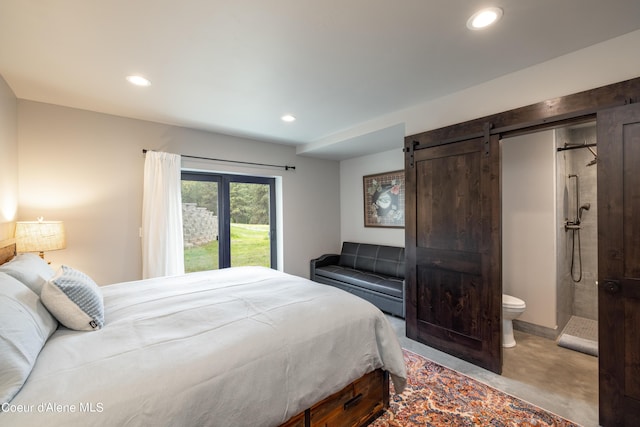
(40, 236)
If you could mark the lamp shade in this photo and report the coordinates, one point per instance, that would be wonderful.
(40, 236)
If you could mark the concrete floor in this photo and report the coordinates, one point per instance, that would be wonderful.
(536, 370)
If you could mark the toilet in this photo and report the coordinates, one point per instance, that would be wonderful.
(512, 307)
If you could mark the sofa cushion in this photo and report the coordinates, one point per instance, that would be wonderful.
(379, 259)
(376, 282)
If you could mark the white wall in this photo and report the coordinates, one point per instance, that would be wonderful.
(529, 224)
(8, 160)
(352, 171)
(604, 63)
(74, 172)
(86, 169)
(585, 69)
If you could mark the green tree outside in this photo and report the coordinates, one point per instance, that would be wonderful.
(249, 202)
(250, 240)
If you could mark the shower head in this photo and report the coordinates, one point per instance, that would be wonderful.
(584, 207)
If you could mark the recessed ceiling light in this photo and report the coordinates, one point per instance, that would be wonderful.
(138, 81)
(288, 118)
(483, 18)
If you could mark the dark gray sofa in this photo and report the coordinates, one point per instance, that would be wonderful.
(373, 272)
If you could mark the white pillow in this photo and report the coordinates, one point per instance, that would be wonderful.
(74, 299)
(25, 326)
(30, 269)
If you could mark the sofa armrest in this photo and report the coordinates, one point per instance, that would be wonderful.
(324, 260)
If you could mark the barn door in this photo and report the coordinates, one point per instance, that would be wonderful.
(619, 265)
(454, 288)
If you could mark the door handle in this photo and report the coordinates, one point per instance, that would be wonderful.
(611, 286)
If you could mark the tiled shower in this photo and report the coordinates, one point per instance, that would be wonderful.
(551, 267)
(577, 298)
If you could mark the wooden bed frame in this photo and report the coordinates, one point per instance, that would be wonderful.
(356, 405)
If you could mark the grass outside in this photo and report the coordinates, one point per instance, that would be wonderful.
(250, 245)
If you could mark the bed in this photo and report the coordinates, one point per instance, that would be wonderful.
(245, 346)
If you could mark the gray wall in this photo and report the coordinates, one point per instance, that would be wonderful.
(86, 169)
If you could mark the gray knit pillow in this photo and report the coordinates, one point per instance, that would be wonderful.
(74, 299)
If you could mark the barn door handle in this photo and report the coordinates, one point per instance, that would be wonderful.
(611, 286)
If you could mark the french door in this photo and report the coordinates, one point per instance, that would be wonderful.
(228, 220)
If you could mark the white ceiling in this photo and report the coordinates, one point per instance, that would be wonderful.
(237, 66)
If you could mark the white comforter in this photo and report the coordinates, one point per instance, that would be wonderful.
(246, 346)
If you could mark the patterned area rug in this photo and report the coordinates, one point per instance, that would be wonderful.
(437, 396)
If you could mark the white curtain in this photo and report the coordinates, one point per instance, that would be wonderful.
(162, 240)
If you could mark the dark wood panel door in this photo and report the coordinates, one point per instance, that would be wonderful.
(454, 288)
(619, 265)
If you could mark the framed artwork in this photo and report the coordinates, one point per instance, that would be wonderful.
(384, 199)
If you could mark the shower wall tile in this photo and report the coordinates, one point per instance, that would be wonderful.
(564, 284)
(585, 302)
(583, 295)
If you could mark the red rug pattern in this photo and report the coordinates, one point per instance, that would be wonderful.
(437, 396)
